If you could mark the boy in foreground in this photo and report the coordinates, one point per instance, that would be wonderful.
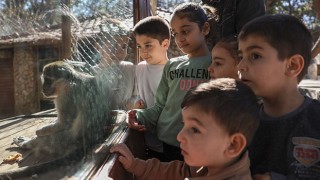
(275, 52)
(213, 139)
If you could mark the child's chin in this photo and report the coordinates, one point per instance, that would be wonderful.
(188, 160)
(190, 163)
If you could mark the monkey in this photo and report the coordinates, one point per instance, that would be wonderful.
(83, 104)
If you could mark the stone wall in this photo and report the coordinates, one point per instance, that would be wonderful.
(25, 79)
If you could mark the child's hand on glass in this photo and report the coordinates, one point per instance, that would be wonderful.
(126, 158)
(132, 121)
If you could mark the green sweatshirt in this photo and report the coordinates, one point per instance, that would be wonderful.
(179, 75)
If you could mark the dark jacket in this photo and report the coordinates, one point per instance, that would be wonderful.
(290, 144)
(233, 14)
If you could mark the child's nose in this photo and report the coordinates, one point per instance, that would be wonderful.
(143, 50)
(179, 38)
(180, 136)
(241, 65)
(210, 68)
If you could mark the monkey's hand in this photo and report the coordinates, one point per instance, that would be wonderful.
(21, 141)
(132, 121)
(125, 156)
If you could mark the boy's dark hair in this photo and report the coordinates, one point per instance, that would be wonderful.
(287, 34)
(230, 43)
(232, 104)
(154, 27)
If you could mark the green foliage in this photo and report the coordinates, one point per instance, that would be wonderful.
(27, 8)
(301, 9)
(114, 8)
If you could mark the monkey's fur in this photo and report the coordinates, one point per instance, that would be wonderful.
(82, 103)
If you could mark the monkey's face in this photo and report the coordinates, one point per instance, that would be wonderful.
(48, 86)
(52, 87)
(56, 79)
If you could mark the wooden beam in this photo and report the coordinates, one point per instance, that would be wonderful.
(66, 32)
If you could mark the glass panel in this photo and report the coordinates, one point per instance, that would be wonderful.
(61, 117)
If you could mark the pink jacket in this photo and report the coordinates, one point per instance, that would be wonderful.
(154, 169)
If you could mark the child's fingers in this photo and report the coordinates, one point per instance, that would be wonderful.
(124, 161)
(132, 113)
(136, 126)
(132, 121)
(117, 148)
(122, 149)
(141, 128)
(125, 157)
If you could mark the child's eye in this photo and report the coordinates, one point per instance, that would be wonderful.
(148, 46)
(185, 32)
(195, 130)
(139, 47)
(254, 56)
(217, 63)
(173, 34)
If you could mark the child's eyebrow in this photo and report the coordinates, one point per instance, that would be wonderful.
(250, 48)
(197, 121)
(185, 26)
(217, 58)
(253, 47)
(144, 43)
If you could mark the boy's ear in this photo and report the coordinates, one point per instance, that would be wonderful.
(294, 65)
(165, 43)
(206, 28)
(237, 143)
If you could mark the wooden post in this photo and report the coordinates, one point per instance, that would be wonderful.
(66, 32)
(153, 4)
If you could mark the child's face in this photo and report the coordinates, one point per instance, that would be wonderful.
(223, 64)
(202, 141)
(260, 67)
(114, 49)
(188, 36)
(151, 50)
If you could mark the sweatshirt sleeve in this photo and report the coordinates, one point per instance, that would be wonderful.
(150, 116)
(154, 169)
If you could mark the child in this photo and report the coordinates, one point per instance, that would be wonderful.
(275, 51)
(189, 27)
(214, 136)
(152, 36)
(225, 59)
(112, 69)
